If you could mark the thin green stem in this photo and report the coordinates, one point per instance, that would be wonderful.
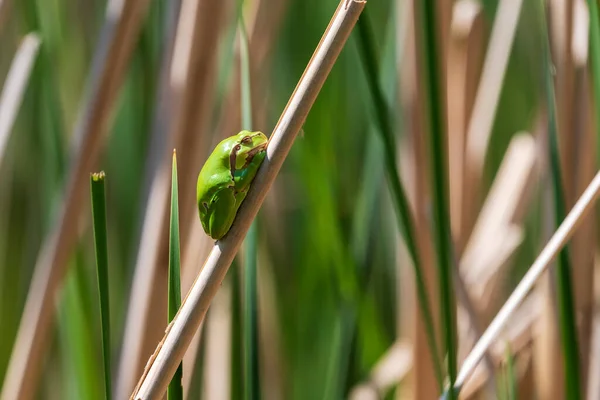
(439, 168)
(100, 243)
(400, 199)
(251, 371)
(511, 378)
(175, 390)
(566, 304)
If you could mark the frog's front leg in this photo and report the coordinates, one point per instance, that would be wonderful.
(218, 215)
(243, 177)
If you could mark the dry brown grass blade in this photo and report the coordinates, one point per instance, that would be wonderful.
(117, 39)
(179, 333)
(191, 80)
(486, 101)
(15, 85)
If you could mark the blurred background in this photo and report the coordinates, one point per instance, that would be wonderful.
(115, 85)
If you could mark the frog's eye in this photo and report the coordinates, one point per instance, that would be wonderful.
(247, 140)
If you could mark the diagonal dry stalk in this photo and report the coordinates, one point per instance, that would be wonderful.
(117, 39)
(15, 85)
(559, 239)
(180, 332)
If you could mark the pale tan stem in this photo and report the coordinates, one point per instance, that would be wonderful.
(180, 332)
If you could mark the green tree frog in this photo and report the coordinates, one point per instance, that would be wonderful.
(225, 178)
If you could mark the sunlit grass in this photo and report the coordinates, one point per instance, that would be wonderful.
(175, 391)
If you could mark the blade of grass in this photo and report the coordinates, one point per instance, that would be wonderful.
(100, 242)
(566, 304)
(179, 334)
(175, 390)
(250, 327)
(82, 371)
(439, 168)
(405, 221)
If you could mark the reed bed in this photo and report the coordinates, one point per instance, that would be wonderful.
(423, 226)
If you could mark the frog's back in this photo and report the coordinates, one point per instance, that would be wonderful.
(212, 178)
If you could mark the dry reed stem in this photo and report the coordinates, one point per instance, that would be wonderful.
(15, 86)
(558, 240)
(519, 335)
(398, 361)
(179, 333)
(4, 8)
(189, 74)
(486, 102)
(271, 348)
(117, 39)
(498, 231)
(145, 279)
(389, 371)
(423, 378)
(593, 388)
(464, 15)
(549, 376)
(216, 381)
(584, 143)
(156, 187)
(193, 255)
(562, 37)
(473, 324)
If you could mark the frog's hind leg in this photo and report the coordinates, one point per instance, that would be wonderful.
(221, 213)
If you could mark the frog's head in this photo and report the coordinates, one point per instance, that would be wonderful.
(246, 146)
